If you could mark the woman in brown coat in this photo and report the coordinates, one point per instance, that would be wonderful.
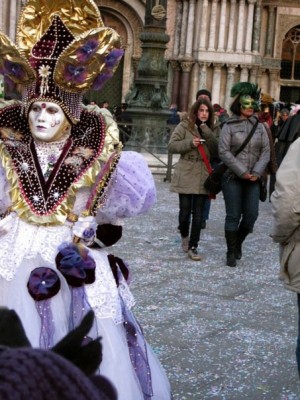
(190, 137)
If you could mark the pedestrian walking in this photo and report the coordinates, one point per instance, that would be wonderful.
(244, 148)
(196, 143)
(205, 94)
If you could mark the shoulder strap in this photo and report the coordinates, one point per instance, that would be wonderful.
(204, 158)
(247, 140)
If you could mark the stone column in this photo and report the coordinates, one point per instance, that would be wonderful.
(274, 87)
(256, 28)
(185, 85)
(213, 26)
(203, 76)
(270, 33)
(221, 41)
(190, 29)
(258, 76)
(203, 26)
(183, 28)
(4, 16)
(244, 74)
(216, 83)
(229, 83)
(178, 25)
(176, 81)
(248, 44)
(13, 17)
(232, 23)
(253, 73)
(241, 27)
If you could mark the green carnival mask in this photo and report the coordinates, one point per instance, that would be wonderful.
(247, 102)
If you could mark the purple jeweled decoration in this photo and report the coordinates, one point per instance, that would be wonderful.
(100, 80)
(112, 58)
(78, 268)
(137, 351)
(85, 52)
(75, 75)
(43, 284)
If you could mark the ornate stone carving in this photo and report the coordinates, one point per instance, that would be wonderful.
(186, 65)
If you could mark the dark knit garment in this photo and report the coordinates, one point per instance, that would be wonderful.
(34, 374)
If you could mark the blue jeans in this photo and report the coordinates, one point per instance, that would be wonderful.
(191, 205)
(241, 202)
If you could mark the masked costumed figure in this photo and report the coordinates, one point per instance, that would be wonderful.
(245, 149)
(65, 187)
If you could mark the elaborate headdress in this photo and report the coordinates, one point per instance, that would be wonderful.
(62, 49)
(245, 89)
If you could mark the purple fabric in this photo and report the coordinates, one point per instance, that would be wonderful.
(134, 192)
(137, 351)
(79, 307)
(43, 283)
(47, 326)
(74, 262)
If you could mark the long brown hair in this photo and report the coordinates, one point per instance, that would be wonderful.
(193, 113)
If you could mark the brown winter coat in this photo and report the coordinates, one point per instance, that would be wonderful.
(190, 172)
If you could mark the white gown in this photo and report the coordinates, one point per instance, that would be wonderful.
(25, 246)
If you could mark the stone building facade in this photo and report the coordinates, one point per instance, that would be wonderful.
(213, 44)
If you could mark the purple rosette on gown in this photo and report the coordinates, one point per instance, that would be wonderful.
(43, 284)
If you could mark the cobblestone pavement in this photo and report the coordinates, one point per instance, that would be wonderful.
(220, 332)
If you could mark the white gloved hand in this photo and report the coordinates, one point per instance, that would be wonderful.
(85, 229)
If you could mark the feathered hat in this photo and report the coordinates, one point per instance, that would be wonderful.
(62, 49)
(245, 89)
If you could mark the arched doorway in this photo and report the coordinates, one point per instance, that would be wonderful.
(290, 67)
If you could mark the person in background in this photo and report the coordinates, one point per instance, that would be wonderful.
(240, 183)
(104, 104)
(285, 202)
(278, 124)
(272, 166)
(189, 138)
(174, 119)
(288, 133)
(205, 94)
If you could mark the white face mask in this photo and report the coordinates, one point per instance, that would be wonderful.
(47, 121)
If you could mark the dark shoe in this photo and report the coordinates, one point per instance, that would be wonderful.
(241, 236)
(193, 254)
(231, 260)
(231, 241)
(203, 224)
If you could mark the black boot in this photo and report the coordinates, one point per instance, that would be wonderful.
(241, 235)
(231, 240)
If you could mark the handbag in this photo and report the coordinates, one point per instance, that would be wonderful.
(213, 182)
(263, 192)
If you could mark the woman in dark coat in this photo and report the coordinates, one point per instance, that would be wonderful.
(190, 137)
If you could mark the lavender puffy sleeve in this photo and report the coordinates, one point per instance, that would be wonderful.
(132, 192)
